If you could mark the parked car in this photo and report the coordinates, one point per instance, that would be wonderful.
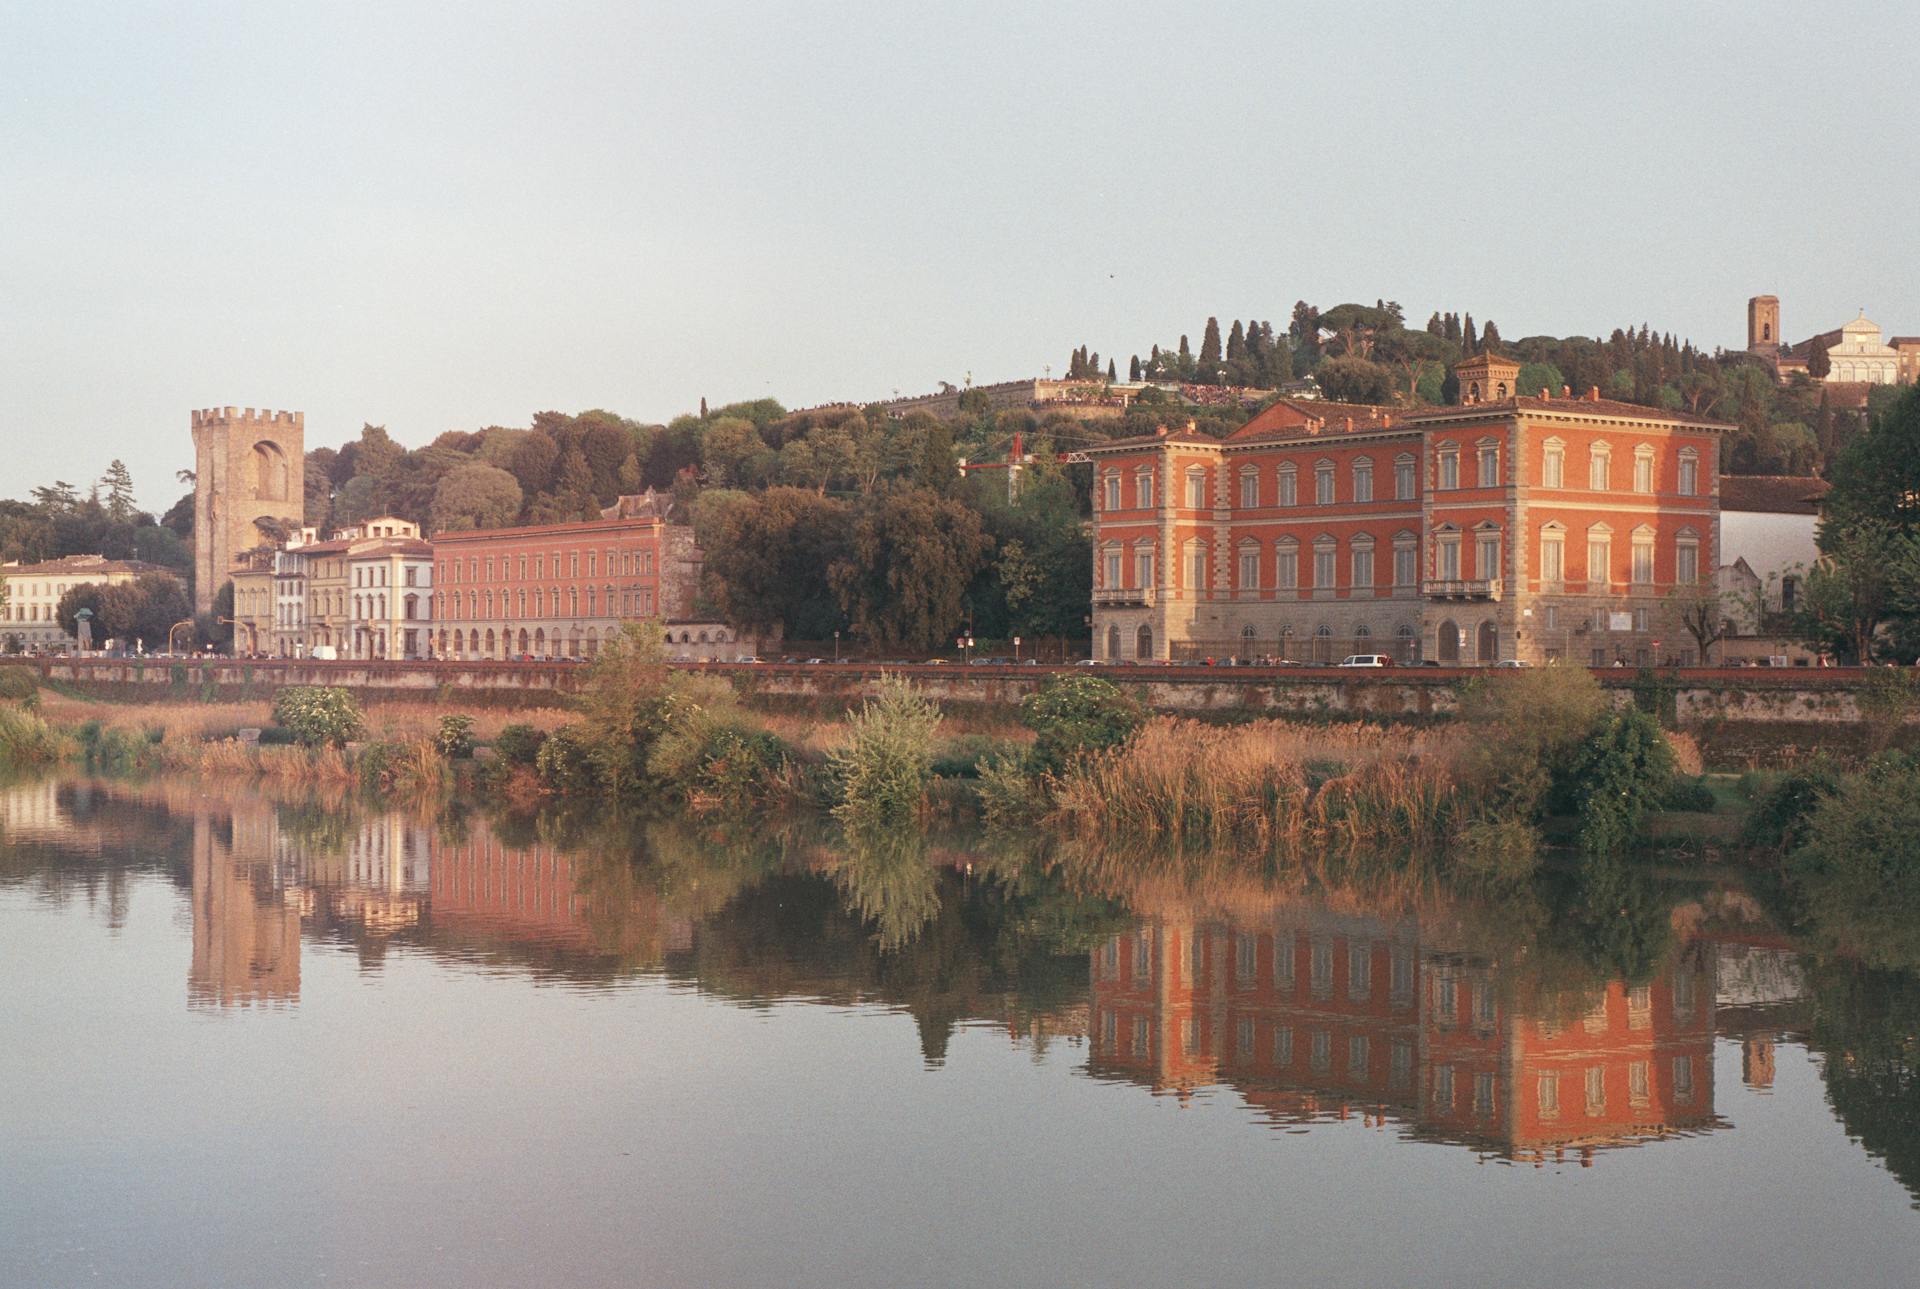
(1511, 664)
(1366, 660)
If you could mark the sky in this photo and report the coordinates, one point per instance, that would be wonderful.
(447, 216)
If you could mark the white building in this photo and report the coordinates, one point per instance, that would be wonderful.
(1767, 543)
(1861, 357)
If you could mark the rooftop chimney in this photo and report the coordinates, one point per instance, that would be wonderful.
(1593, 393)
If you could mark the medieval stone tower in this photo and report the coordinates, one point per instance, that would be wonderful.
(1763, 323)
(250, 466)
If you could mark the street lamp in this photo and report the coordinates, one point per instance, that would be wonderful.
(1016, 648)
(836, 646)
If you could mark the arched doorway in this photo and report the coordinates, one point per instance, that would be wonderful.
(1113, 644)
(1143, 642)
(1446, 645)
(1487, 648)
(539, 642)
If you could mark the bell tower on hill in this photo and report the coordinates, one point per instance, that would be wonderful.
(249, 467)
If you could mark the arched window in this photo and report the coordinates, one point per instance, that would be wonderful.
(1143, 642)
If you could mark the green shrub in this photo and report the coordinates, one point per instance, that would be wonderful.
(962, 757)
(19, 685)
(276, 736)
(1009, 796)
(1858, 865)
(1689, 792)
(1497, 852)
(1781, 808)
(882, 769)
(1620, 772)
(518, 744)
(1074, 714)
(25, 739)
(455, 739)
(566, 763)
(318, 715)
(1530, 726)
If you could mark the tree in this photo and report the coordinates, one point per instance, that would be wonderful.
(1354, 380)
(1534, 378)
(767, 562)
(118, 483)
(1702, 611)
(1877, 475)
(1210, 351)
(1869, 571)
(913, 555)
(1133, 369)
(475, 495)
(729, 449)
(1818, 364)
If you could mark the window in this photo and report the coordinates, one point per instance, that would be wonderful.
(1362, 562)
(1112, 489)
(1400, 975)
(1249, 488)
(1321, 1052)
(1320, 969)
(1406, 563)
(1243, 1036)
(1246, 959)
(1143, 567)
(1283, 1045)
(1359, 1055)
(1552, 619)
(1643, 469)
(1325, 551)
(1553, 464)
(1196, 566)
(1599, 553)
(1400, 1063)
(1363, 480)
(1447, 546)
(1596, 1090)
(1483, 1095)
(1283, 951)
(1486, 555)
(1599, 463)
(1553, 554)
(1111, 558)
(1642, 557)
(1196, 489)
(1639, 1089)
(1286, 569)
(1689, 472)
(1686, 559)
(1683, 1078)
(1443, 1087)
(1489, 461)
(1642, 619)
(1323, 483)
(1249, 568)
(1548, 1091)
(1143, 490)
(1449, 466)
(1289, 485)
(1403, 478)
(1359, 970)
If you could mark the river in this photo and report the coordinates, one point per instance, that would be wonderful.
(261, 1042)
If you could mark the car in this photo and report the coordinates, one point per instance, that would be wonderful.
(814, 662)
(746, 657)
(1088, 662)
(1511, 664)
(1366, 660)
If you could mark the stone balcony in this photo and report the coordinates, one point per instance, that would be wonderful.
(1122, 597)
(1461, 588)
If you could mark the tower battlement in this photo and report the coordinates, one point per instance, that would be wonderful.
(207, 418)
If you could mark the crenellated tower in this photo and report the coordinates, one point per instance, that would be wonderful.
(250, 466)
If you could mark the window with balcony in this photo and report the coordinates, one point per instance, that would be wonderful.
(1486, 554)
(1111, 568)
(1143, 568)
(1447, 556)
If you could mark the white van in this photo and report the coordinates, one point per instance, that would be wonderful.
(1366, 660)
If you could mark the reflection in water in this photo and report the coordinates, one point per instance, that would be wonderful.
(1563, 1020)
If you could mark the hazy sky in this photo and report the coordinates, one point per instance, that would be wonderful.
(447, 216)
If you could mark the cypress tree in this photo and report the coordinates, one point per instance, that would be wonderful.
(1236, 343)
(1435, 327)
(1184, 351)
(1111, 374)
(1490, 338)
(1133, 368)
(1210, 348)
(1469, 338)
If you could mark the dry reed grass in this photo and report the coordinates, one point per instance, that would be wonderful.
(1272, 786)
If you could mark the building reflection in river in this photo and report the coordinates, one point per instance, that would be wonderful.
(1311, 1015)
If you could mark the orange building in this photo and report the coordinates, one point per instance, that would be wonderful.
(1506, 527)
(1312, 1015)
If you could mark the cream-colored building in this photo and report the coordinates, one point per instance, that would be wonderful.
(253, 604)
(29, 619)
(1861, 358)
(390, 597)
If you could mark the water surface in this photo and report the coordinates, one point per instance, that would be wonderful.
(253, 1042)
